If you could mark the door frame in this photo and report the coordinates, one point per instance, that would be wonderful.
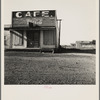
(31, 32)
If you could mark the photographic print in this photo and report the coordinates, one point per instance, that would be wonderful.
(35, 53)
(50, 43)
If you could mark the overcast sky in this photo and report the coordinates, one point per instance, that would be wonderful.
(79, 17)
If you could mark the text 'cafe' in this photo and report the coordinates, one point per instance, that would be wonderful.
(34, 29)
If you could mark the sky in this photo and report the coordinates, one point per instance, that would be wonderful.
(79, 17)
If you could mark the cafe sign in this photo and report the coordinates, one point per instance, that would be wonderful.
(23, 14)
(41, 18)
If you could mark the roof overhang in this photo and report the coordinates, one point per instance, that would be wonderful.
(30, 28)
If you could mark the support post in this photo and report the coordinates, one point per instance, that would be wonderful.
(59, 20)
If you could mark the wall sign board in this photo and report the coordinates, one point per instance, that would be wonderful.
(41, 18)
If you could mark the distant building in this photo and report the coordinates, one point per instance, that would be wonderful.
(73, 44)
(33, 29)
(85, 44)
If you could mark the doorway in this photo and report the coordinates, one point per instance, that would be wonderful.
(33, 39)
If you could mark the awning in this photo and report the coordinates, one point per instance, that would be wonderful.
(31, 28)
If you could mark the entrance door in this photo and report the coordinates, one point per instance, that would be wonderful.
(33, 39)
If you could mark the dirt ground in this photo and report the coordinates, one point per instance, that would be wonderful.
(47, 68)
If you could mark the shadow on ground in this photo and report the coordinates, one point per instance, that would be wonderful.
(60, 50)
(74, 50)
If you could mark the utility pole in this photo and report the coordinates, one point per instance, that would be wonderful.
(59, 20)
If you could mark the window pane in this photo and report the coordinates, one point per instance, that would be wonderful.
(48, 37)
(18, 38)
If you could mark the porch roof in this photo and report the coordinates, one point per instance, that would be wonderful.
(30, 28)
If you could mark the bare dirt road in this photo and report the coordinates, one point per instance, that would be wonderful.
(47, 68)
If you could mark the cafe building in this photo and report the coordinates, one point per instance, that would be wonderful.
(34, 30)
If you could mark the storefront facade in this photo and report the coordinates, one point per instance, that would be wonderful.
(34, 29)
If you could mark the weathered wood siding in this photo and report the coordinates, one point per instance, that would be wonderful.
(24, 22)
(7, 38)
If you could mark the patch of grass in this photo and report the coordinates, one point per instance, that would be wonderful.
(47, 68)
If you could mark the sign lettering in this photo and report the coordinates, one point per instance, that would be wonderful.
(36, 17)
(28, 14)
(35, 21)
(23, 14)
(18, 14)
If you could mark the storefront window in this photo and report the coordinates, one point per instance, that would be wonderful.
(48, 37)
(18, 38)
